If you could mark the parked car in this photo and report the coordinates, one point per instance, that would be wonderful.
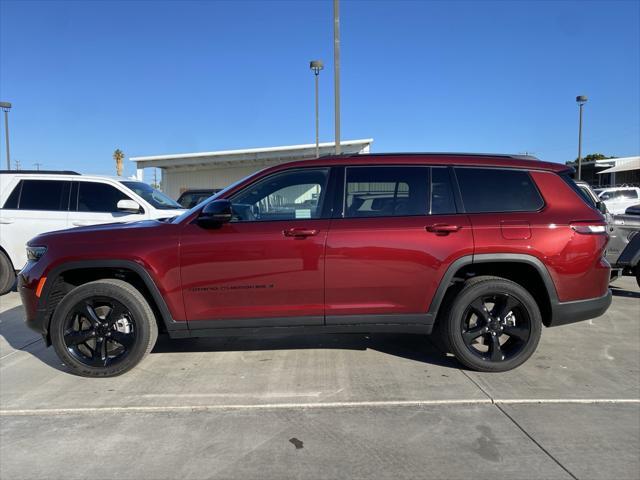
(39, 201)
(618, 199)
(191, 198)
(622, 253)
(633, 210)
(481, 250)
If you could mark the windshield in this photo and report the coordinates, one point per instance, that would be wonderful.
(157, 199)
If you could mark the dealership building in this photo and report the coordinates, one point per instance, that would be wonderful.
(187, 171)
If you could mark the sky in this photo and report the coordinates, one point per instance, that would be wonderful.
(160, 77)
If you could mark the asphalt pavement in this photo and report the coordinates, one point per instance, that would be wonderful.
(333, 406)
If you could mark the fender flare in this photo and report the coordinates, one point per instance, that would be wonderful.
(56, 272)
(535, 262)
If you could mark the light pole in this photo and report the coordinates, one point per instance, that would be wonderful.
(336, 69)
(316, 66)
(6, 106)
(581, 99)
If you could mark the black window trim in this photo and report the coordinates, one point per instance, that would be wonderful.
(476, 167)
(325, 201)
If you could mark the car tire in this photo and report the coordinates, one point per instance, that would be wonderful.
(492, 324)
(103, 328)
(638, 275)
(7, 274)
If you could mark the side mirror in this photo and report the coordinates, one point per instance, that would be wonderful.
(215, 213)
(130, 206)
(602, 207)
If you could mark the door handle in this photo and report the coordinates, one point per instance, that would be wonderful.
(6, 221)
(443, 228)
(81, 224)
(299, 232)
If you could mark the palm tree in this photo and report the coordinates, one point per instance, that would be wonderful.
(118, 156)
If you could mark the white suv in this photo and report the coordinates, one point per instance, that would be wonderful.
(36, 202)
(618, 199)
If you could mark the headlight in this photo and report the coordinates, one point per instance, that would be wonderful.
(34, 253)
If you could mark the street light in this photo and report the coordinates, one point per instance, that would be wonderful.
(581, 99)
(6, 106)
(316, 66)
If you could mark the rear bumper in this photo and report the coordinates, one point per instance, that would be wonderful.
(576, 311)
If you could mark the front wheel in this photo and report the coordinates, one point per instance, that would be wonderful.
(7, 274)
(493, 324)
(103, 328)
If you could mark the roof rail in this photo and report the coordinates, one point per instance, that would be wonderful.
(437, 154)
(48, 172)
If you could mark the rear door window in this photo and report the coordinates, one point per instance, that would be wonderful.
(386, 191)
(487, 190)
(46, 195)
(99, 197)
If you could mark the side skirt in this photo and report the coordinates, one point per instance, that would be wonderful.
(418, 324)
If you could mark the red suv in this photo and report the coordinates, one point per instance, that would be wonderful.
(481, 249)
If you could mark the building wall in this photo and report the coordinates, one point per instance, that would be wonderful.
(175, 181)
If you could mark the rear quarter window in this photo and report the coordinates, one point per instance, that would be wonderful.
(486, 190)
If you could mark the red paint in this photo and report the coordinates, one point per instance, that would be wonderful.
(302, 268)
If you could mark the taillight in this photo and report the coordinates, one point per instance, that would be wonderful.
(589, 228)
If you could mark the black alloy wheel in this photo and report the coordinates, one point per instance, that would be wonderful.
(100, 331)
(496, 327)
(492, 324)
(103, 328)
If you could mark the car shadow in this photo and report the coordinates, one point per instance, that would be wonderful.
(419, 348)
(619, 292)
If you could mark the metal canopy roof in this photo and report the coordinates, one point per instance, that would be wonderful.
(623, 165)
(249, 155)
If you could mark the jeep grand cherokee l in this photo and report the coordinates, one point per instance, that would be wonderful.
(483, 250)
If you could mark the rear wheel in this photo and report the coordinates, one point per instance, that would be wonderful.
(493, 324)
(7, 274)
(103, 328)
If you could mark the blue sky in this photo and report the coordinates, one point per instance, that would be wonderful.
(154, 77)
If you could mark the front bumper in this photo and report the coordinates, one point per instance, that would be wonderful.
(35, 315)
(579, 310)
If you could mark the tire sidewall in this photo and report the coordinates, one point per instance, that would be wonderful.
(7, 274)
(136, 304)
(459, 307)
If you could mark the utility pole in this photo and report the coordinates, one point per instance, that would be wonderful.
(37, 165)
(17, 162)
(336, 70)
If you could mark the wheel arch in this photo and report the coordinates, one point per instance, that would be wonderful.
(67, 276)
(526, 270)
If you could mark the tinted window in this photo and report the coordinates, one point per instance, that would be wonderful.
(12, 201)
(442, 198)
(50, 195)
(495, 190)
(284, 196)
(98, 197)
(386, 191)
